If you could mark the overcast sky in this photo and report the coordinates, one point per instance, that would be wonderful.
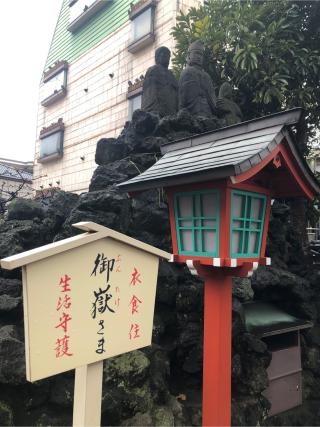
(26, 31)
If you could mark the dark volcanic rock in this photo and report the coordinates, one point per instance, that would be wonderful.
(57, 208)
(138, 420)
(62, 390)
(6, 415)
(144, 123)
(110, 150)
(12, 369)
(120, 170)
(11, 287)
(18, 236)
(21, 209)
(189, 297)
(151, 214)
(140, 387)
(167, 283)
(254, 360)
(131, 369)
(249, 411)
(9, 303)
(193, 360)
(241, 288)
(183, 124)
(106, 175)
(107, 207)
(160, 374)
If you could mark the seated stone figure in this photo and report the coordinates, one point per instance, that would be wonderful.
(196, 91)
(231, 112)
(160, 87)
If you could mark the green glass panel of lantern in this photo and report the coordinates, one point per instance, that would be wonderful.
(208, 224)
(185, 207)
(209, 205)
(185, 223)
(186, 240)
(256, 208)
(197, 222)
(255, 225)
(254, 243)
(239, 203)
(245, 243)
(237, 241)
(246, 233)
(196, 205)
(209, 239)
(238, 224)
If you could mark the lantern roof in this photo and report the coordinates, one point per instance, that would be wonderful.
(239, 152)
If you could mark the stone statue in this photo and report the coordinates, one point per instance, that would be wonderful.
(196, 91)
(160, 87)
(230, 110)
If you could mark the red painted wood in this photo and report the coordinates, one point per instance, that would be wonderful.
(289, 164)
(225, 262)
(197, 186)
(246, 176)
(295, 172)
(174, 241)
(250, 186)
(216, 394)
(265, 227)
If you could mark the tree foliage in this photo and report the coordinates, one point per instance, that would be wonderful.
(268, 50)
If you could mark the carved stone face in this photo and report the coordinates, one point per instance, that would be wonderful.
(163, 58)
(195, 57)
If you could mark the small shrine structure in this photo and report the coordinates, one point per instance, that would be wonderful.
(220, 186)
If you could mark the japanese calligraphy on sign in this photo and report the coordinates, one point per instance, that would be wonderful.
(88, 304)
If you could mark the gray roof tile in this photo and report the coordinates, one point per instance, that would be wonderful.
(9, 172)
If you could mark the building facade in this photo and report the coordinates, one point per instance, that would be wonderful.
(15, 180)
(92, 81)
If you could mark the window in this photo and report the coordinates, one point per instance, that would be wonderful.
(82, 10)
(54, 83)
(142, 17)
(247, 221)
(51, 142)
(134, 104)
(142, 24)
(134, 95)
(197, 223)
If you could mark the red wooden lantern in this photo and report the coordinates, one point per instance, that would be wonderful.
(219, 186)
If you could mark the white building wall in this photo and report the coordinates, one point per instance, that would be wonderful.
(96, 104)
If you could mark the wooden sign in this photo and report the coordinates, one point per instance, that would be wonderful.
(86, 299)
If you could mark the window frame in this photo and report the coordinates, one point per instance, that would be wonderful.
(247, 221)
(45, 133)
(134, 90)
(59, 67)
(136, 10)
(130, 106)
(86, 14)
(196, 198)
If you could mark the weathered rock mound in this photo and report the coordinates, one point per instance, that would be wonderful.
(160, 385)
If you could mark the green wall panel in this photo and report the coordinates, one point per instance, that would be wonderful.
(69, 46)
